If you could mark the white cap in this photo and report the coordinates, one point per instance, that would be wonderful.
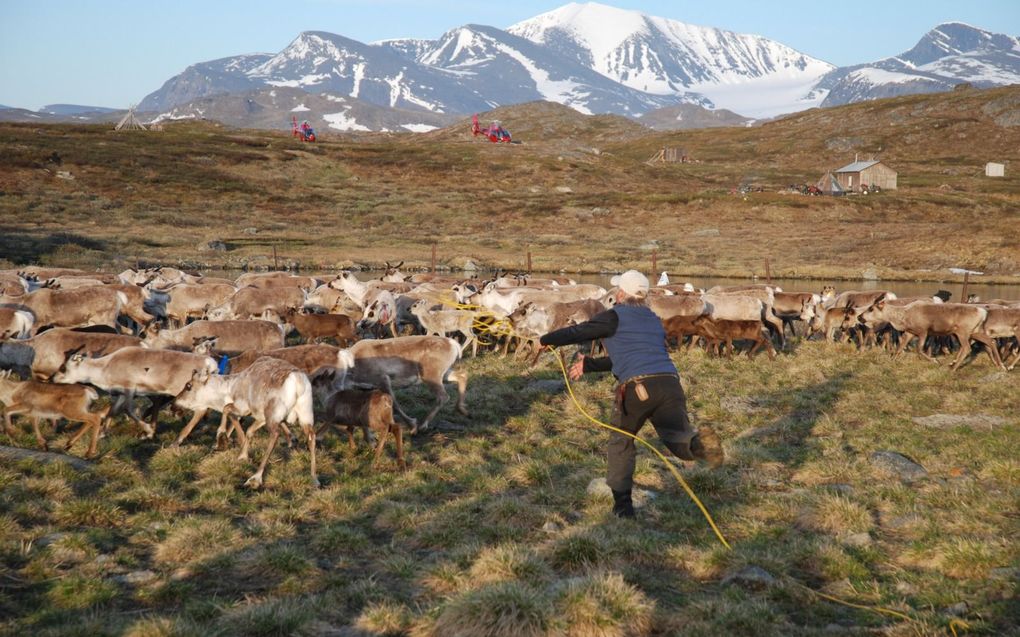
(632, 282)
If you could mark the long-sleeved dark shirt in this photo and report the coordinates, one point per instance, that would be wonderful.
(602, 325)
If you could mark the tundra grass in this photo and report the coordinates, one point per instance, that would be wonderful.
(576, 194)
(492, 530)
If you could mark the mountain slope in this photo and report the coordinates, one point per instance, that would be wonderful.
(225, 75)
(274, 108)
(508, 69)
(948, 55)
(687, 116)
(667, 57)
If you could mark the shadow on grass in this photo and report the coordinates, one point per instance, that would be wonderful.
(23, 249)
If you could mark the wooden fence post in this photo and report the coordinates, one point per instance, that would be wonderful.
(529, 260)
(655, 261)
(433, 267)
(276, 260)
(966, 280)
(768, 271)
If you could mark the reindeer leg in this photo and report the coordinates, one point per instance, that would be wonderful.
(461, 378)
(258, 424)
(195, 418)
(388, 388)
(379, 446)
(398, 435)
(439, 391)
(255, 481)
(991, 347)
(310, 435)
(39, 440)
(8, 425)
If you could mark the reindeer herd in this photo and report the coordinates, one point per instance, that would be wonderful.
(205, 344)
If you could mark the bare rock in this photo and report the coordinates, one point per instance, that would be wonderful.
(551, 527)
(564, 190)
(137, 578)
(958, 609)
(706, 232)
(250, 230)
(548, 386)
(599, 488)
(949, 421)
(857, 540)
(899, 465)
(750, 577)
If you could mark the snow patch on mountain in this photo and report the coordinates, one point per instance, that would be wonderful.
(343, 121)
(419, 128)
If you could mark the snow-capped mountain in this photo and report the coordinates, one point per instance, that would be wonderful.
(746, 73)
(949, 54)
(225, 75)
(595, 59)
(507, 69)
(325, 62)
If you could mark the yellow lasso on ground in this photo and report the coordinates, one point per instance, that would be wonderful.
(669, 465)
(502, 327)
(953, 623)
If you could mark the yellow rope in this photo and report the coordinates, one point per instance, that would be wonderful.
(679, 478)
(669, 465)
(502, 327)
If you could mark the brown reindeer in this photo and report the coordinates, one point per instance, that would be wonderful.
(46, 400)
(369, 410)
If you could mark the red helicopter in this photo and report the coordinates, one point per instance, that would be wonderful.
(494, 131)
(304, 131)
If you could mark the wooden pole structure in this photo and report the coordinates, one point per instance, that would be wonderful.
(529, 260)
(966, 280)
(433, 267)
(768, 271)
(276, 260)
(655, 261)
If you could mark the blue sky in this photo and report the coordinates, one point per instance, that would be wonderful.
(114, 52)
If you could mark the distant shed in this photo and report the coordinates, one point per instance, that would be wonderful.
(866, 173)
(993, 169)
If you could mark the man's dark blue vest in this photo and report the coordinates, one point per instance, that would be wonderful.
(638, 347)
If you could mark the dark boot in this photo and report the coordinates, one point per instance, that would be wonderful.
(623, 507)
(707, 446)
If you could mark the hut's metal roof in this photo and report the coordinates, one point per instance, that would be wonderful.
(857, 166)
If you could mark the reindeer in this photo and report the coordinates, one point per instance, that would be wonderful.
(45, 400)
(135, 371)
(370, 410)
(273, 392)
(393, 273)
(408, 360)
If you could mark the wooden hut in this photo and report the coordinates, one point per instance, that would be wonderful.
(865, 173)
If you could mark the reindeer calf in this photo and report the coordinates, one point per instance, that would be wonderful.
(45, 400)
(371, 410)
(318, 326)
(725, 332)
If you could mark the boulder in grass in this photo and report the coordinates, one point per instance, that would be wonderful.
(899, 465)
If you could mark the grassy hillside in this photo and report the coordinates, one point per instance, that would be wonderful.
(491, 531)
(576, 191)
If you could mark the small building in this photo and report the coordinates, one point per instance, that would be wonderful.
(865, 173)
(993, 169)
